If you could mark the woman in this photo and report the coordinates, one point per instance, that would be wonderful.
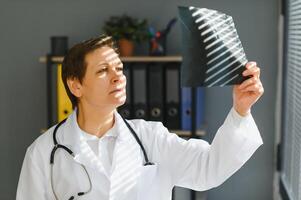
(103, 156)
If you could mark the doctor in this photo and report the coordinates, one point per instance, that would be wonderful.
(96, 154)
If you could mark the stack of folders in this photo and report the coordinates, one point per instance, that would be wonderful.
(154, 93)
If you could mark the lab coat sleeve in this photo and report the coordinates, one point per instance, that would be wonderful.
(197, 165)
(31, 185)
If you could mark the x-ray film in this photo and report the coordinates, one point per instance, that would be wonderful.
(212, 51)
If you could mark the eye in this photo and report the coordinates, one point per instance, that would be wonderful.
(120, 68)
(102, 70)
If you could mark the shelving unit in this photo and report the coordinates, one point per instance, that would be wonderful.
(50, 60)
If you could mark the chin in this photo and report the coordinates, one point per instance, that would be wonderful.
(119, 101)
(119, 105)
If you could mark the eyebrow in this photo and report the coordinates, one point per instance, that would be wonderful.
(108, 63)
(102, 63)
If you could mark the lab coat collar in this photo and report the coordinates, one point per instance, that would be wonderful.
(125, 145)
(112, 132)
(127, 172)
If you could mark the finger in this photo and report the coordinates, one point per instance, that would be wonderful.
(254, 71)
(251, 64)
(256, 87)
(248, 82)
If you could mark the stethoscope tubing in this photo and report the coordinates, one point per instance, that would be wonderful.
(70, 152)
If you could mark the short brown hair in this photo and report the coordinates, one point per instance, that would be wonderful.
(74, 65)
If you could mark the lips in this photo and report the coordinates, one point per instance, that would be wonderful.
(117, 90)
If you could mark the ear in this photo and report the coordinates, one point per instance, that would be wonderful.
(75, 87)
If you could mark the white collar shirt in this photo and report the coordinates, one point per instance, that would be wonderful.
(103, 147)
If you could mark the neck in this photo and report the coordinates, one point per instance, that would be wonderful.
(95, 121)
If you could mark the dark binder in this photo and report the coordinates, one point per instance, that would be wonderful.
(155, 91)
(172, 98)
(139, 91)
(125, 109)
(186, 93)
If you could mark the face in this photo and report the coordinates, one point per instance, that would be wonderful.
(104, 82)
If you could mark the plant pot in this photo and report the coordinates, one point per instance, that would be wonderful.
(126, 47)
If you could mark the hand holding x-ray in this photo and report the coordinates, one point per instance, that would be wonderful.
(249, 91)
(214, 56)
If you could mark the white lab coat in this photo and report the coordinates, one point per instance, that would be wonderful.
(192, 164)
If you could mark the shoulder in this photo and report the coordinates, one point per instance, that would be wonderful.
(141, 123)
(41, 146)
(148, 126)
(151, 131)
(155, 137)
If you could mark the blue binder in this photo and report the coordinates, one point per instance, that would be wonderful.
(186, 108)
(200, 114)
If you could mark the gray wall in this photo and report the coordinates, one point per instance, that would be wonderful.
(25, 30)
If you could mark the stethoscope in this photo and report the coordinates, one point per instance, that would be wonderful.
(70, 152)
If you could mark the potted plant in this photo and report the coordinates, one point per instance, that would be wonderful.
(126, 31)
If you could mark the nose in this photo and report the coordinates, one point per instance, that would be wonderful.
(119, 80)
(117, 77)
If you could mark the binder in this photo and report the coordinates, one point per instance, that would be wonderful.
(172, 98)
(155, 91)
(186, 108)
(64, 106)
(139, 91)
(52, 92)
(200, 112)
(125, 109)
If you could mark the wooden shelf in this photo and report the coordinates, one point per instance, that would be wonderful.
(59, 59)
